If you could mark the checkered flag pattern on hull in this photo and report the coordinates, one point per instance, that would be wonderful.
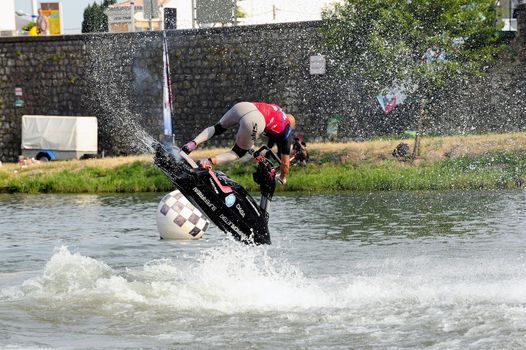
(177, 218)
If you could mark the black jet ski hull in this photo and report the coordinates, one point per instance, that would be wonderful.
(226, 203)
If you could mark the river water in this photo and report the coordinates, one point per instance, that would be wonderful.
(390, 270)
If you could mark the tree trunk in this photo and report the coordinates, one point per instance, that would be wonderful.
(419, 123)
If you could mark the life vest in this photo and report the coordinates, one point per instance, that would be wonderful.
(276, 120)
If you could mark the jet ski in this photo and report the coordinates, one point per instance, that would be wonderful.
(225, 202)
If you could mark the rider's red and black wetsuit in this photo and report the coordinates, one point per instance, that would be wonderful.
(277, 127)
(253, 119)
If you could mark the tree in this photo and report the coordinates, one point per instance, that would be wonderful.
(425, 43)
(95, 20)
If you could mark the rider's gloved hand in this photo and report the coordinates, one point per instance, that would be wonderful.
(189, 147)
(205, 163)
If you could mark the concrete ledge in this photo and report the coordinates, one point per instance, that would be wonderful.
(169, 33)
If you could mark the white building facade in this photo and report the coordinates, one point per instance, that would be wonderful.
(7, 18)
(254, 11)
(280, 11)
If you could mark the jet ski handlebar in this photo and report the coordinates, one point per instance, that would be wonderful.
(268, 157)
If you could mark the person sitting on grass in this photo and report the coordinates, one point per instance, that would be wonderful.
(300, 155)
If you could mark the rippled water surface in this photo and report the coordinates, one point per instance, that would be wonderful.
(437, 270)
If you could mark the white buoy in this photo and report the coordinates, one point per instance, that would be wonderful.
(177, 218)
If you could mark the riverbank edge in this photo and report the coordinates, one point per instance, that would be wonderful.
(493, 161)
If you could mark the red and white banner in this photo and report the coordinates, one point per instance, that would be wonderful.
(167, 90)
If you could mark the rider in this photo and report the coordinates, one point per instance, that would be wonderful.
(253, 118)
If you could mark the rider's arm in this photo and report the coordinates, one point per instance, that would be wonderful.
(284, 148)
(284, 167)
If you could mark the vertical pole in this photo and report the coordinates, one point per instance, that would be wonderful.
(193, 13)
(61, 17)
(235, 12)
(34, 8)
(420, 122)
(132, 8)
(151, 15)
(16, 118)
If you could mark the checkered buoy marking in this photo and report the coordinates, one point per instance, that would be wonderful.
(177, 218)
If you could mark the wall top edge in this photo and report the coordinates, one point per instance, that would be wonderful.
(169, 33)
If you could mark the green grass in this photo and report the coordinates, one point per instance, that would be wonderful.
(138, 176)
(495, 170)
(491, 170)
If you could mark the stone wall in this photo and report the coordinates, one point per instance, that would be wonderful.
(118, 78)
(49, 71)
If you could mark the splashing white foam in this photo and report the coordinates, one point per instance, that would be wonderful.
(65, 273)
(113, 95)
(229, 278)
(233, 278)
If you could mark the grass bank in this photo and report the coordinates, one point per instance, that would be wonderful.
(489, 161)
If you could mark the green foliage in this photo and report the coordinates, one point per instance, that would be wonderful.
(489, 171)
(73, 79)
(494, 170)
(95, 20)
(27, 27)
(385, 40)
(57, 56)
(240, 13)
